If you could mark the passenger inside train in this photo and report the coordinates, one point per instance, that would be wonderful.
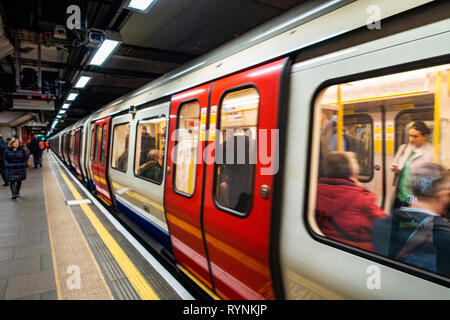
(122, 162)
(151, 149)
(235, 169)
(419, 234)
(418, 150)
(147, 144)
(152, 169)
(391, 195)
(345, 210)
(121, 147)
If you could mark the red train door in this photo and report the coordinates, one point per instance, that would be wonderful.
(239, 181)
(99, 163)
(184, 179)
(76, 153)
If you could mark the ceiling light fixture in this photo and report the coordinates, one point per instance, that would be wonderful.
(104, 51)
(72, 96)
(82, 82)
(66, 105)
(140, 5)
(62, 111)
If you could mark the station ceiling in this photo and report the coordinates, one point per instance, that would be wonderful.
(170, 34)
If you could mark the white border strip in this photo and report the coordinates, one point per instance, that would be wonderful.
(179, 289)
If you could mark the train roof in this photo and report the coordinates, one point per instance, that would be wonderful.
(301, 27)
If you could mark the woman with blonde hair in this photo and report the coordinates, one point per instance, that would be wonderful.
(15, 160)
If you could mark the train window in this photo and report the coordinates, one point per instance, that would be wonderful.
(92, 144)
(405, 120)
(120, 147)
(150, 149)
(343, 208)
(186, 149)
(103, 145)
(98, 136)
(77, 141)
(236, 150)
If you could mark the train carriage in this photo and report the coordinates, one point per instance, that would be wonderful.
(250, 229)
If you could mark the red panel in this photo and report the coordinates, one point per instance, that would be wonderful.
(238, 247)
(184, 213)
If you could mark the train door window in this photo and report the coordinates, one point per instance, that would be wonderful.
(77, 141)
(342, 211)
(93, 144)
(406, 119)
(358, 136)
(98, 136)
(103, 145)
(186, 148)
(150, 149)
(236, 151)
(121, 136)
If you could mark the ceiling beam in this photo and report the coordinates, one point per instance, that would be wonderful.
(127, 50)
(92, 69)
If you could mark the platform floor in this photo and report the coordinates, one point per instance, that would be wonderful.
(54, 248)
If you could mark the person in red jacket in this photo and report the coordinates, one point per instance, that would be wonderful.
(345, 211)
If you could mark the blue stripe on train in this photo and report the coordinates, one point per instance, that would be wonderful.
(154, 231)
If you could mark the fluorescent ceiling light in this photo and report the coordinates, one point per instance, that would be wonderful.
(62, 111)
(66, 106)
(72, 96)
(82, 82)
(140, 5)
(104, 51)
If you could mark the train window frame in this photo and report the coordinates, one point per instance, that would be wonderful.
(165, 149)
(91, 145)
(95, 150)
(372, 142)
(199, 142)
(307, 205)
(220, 207)
(397, 144)
(103, 145)
(112, 144)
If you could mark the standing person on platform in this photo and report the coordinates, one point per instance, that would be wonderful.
(3, 147)
(15, 161)
(36, 151)
(418, 150)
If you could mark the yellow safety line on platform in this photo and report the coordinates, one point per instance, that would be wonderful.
(132, 273)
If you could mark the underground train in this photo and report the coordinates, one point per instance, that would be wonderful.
(249, 230)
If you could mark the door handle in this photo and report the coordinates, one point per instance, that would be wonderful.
(264, 191)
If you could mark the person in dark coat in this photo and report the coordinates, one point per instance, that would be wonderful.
(3, 147)
(419, 235)
(152, 169)
(36, 151)
(15, 161)
(345, 211)
(147, 144)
